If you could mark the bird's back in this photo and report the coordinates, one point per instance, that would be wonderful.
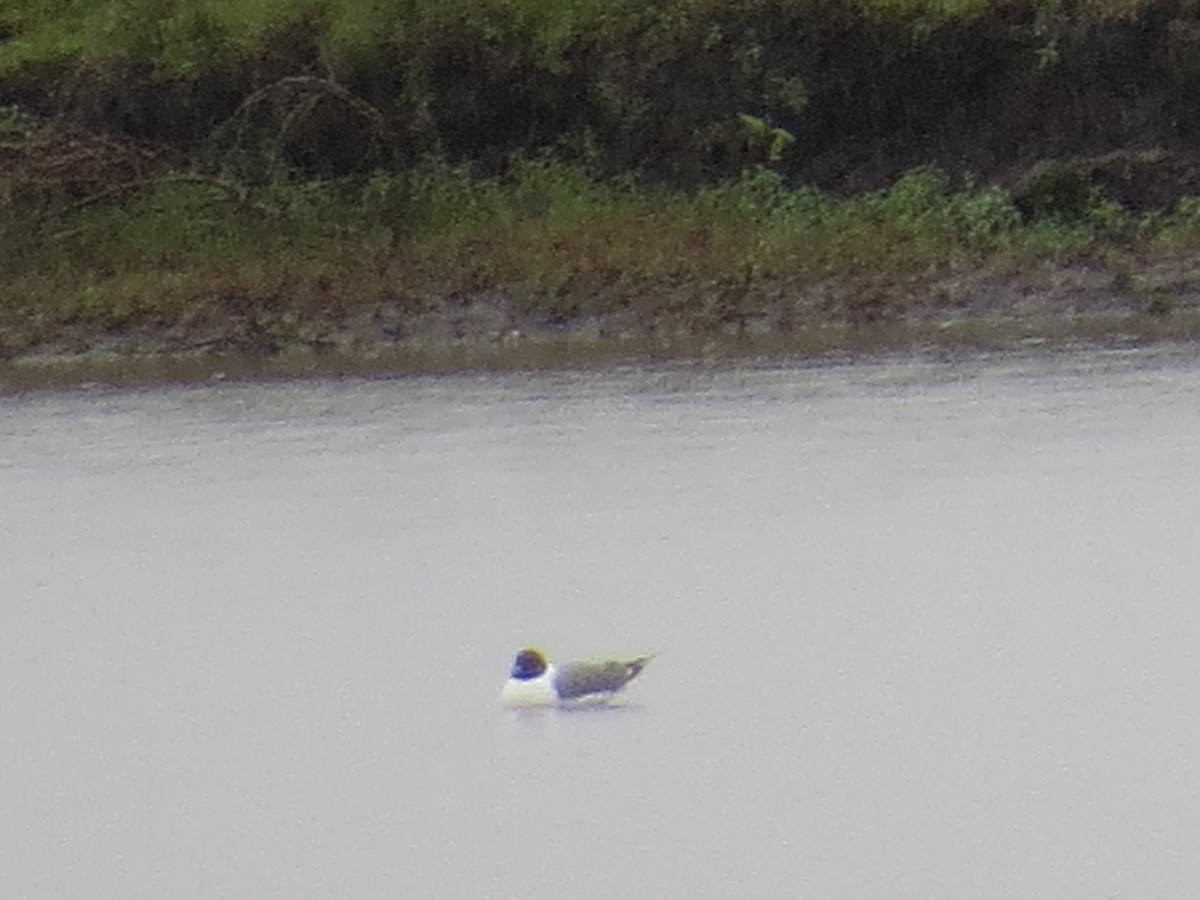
(581, 679)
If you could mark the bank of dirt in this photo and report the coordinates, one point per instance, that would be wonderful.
(1048, 306)
(169, 171)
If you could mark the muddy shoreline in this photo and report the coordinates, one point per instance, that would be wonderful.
(1050, 307)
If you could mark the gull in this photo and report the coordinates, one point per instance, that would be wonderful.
(536, 682)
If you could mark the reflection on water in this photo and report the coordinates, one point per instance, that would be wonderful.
(928, 629)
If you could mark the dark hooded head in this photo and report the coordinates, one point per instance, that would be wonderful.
(528, 664)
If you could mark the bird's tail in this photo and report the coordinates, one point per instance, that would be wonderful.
(635, 666)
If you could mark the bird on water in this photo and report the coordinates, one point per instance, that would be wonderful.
(534, 681)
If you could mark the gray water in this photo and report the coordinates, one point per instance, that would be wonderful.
(927, 629)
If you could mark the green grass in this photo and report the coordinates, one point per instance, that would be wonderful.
(542, 230)
(684, 92)
(177, 36)
(180, 37)
(923, 220)
(540, 210)
(276, 164)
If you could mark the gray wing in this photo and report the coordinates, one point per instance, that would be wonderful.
(579, 679)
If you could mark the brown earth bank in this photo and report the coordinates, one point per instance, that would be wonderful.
(1050, 306)
(1084, 113)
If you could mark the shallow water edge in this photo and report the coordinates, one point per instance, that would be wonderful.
(519, 352)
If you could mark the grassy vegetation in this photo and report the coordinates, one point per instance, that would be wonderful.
(868, 88)
(542, 247)
(261, 176)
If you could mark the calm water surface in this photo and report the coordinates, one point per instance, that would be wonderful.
(927, 629)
